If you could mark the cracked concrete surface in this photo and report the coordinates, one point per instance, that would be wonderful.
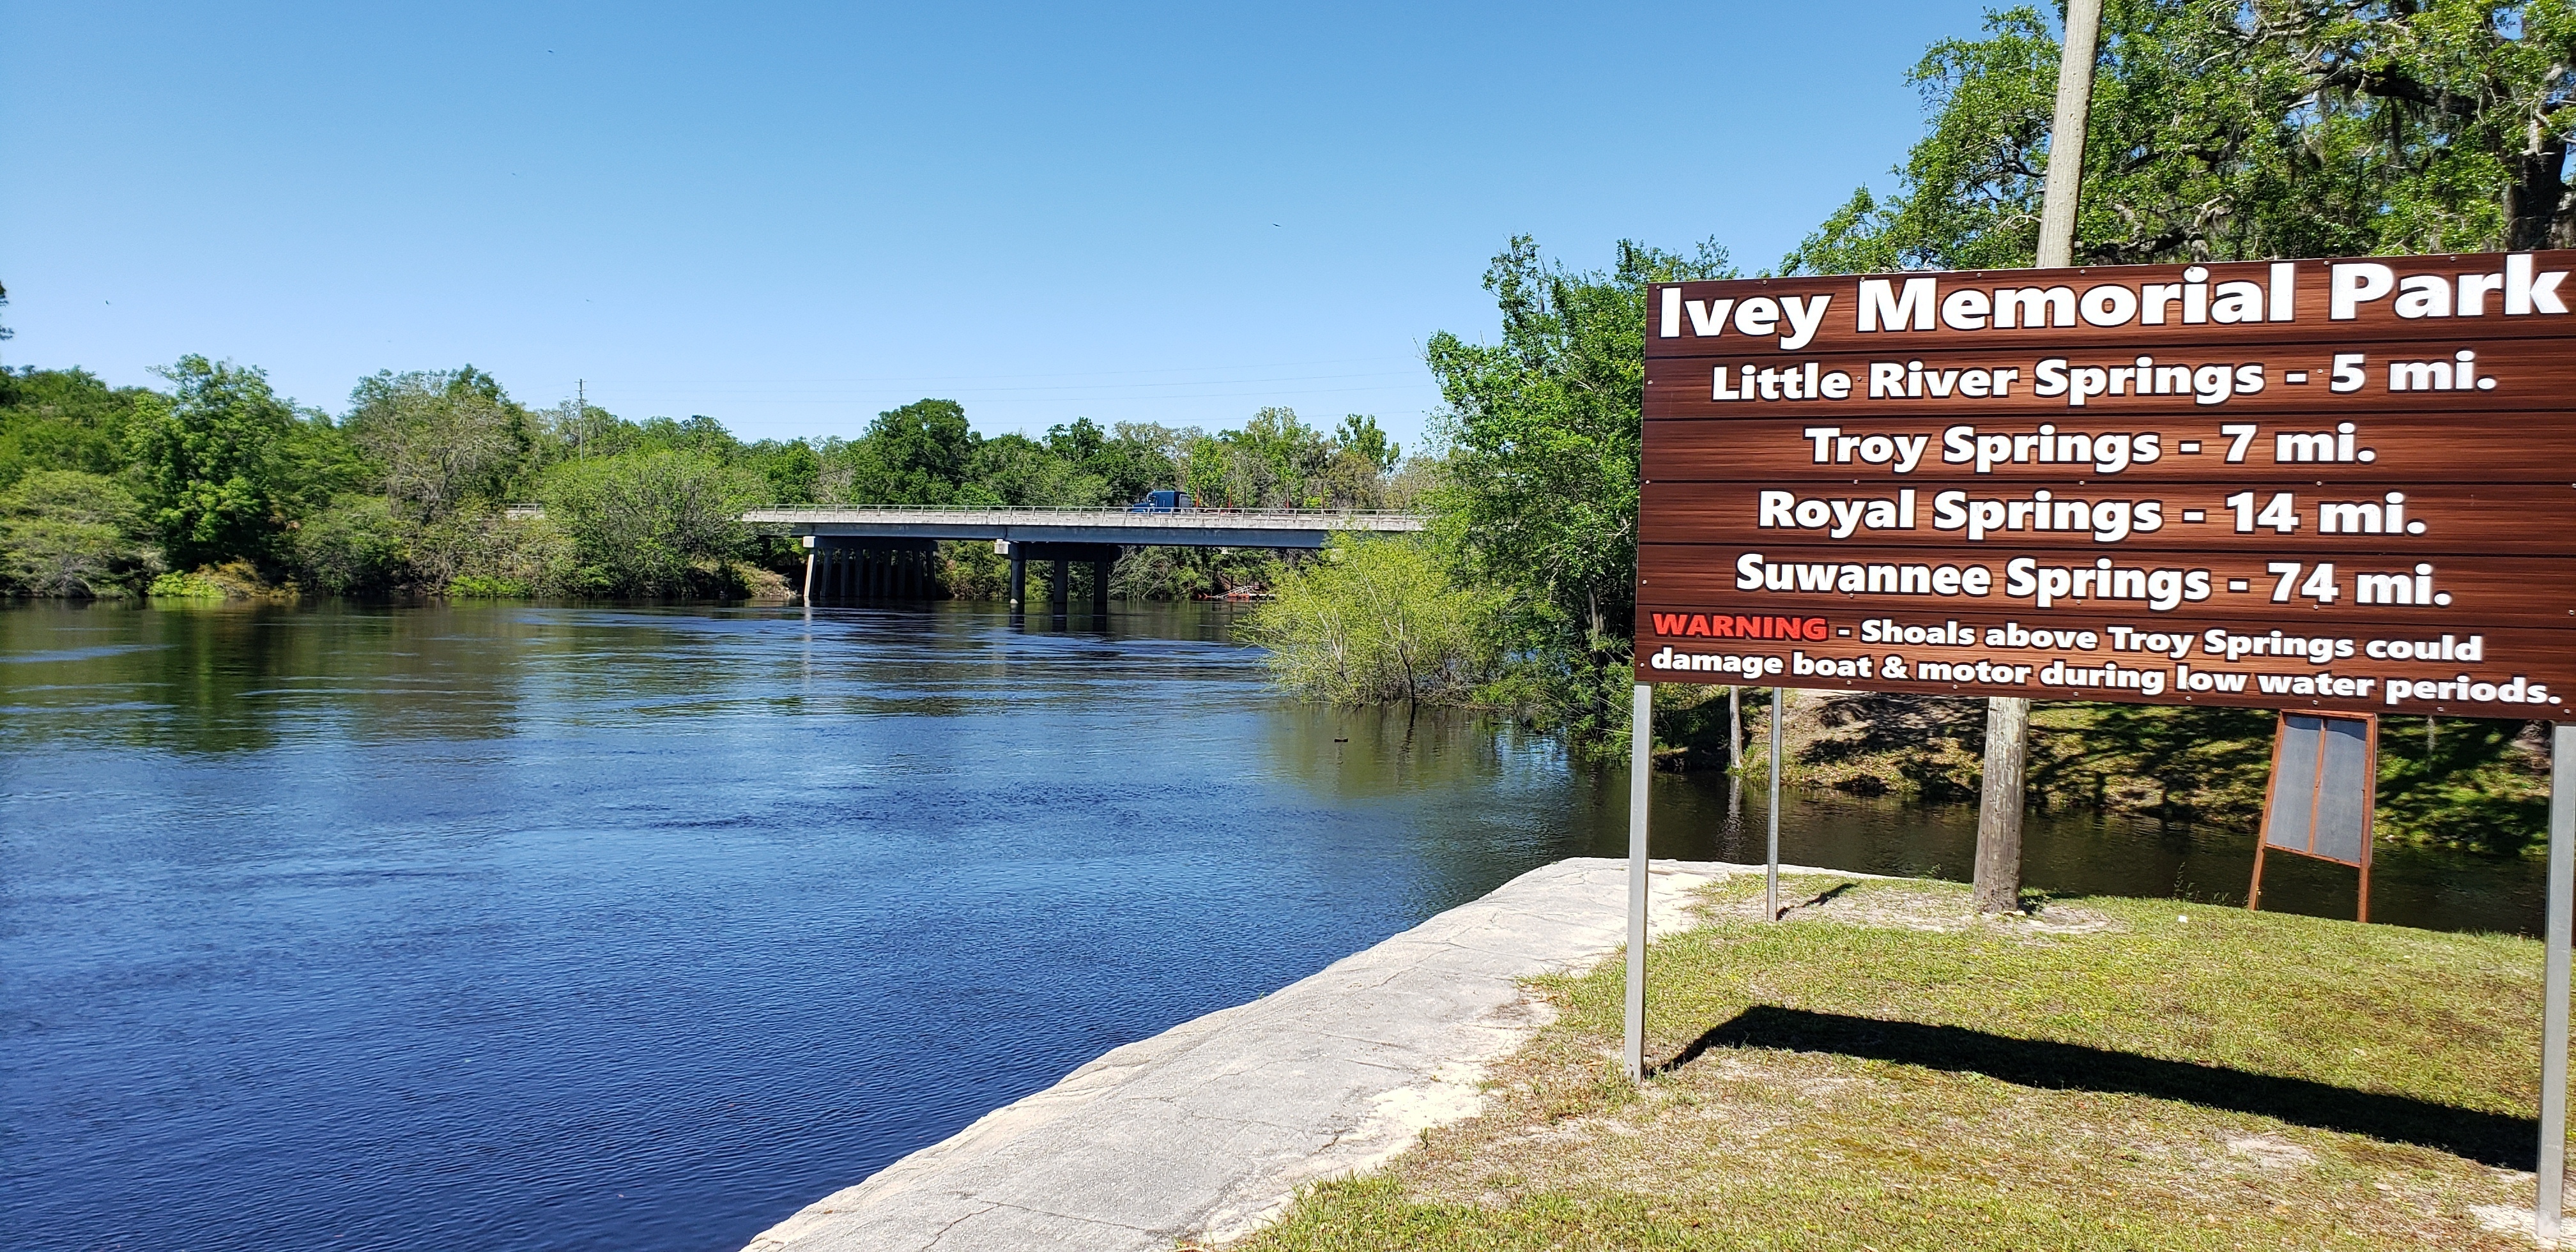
(1208, 1129)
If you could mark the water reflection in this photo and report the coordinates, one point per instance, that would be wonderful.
(444, 927)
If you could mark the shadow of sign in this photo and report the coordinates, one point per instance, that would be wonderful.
(2488, 1138)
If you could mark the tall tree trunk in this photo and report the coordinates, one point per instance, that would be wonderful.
(2535, 202)
(1998, 887)
(2008, 717)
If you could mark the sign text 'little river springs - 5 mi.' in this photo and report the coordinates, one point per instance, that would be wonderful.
(2343, 484)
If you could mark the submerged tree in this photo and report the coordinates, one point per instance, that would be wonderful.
(1374, 621)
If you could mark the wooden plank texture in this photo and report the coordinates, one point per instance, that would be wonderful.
(2372, 453)
(2525, 375)
(2481, 595)
(2092, 662)
(1838, 329)
(2404, 449)
(2441, 520)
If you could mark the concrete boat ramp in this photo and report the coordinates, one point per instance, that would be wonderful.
(1207, 1130)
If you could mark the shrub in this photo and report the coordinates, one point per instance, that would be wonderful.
(487, 587)
(191, 585)
(73, 534)
(493, 549)
(356, 546)
(1372, 622)
(646, 522)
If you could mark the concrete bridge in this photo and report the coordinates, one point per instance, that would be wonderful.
(875, 553)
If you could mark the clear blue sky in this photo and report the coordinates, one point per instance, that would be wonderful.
(792, 217)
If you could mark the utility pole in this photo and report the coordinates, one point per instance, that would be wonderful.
(1998, 883)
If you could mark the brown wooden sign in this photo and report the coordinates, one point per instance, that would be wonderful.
(2341, 484)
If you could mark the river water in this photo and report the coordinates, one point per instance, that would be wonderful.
(572, 927)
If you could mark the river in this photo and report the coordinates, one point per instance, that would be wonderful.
(599, 928)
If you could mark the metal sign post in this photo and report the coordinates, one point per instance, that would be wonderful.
(2553, 1027)
(1641, 741)
(1771, 864)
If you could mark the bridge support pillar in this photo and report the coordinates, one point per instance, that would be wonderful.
(1100, 588)
(1059, 586)
(1019, 583)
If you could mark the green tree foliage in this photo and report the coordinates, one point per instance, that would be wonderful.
(1375, 621)
(652, 523)
(73, 534)
(922, 453)
(418, 489)
(1125, 467)
(63, 420)
(2234, 129)
(439, 439)
(1539, 493)
(209, 460)
(356, 545)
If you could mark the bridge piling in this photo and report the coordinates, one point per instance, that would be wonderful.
(1058, 587)
(1019, 583)
(1100, 588)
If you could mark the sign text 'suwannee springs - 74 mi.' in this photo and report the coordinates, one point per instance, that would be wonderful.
(2343, 484)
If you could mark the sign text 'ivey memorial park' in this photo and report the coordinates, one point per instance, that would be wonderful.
(2343, 484)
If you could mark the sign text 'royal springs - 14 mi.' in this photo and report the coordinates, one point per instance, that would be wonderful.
(2341, 484)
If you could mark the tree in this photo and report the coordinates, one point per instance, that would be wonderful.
(1128, 461)
(1359, 435)
(441, 437)
(2238, 130)
(1019, 471)
(63, 420)
(207, 462)
(354, 545)
(653, 522)
(1374, 621)
(68, 533)
(1538, 496)
(924, 452)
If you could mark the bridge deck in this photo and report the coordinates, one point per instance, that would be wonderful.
(1202, 528)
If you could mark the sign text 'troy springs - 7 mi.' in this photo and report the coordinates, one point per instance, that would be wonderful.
(2310, 484)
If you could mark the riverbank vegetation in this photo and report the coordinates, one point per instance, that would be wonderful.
(439, 483)
(1886, 1070)
(2218, 131)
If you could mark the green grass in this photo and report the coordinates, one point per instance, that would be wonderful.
(1882, 1071)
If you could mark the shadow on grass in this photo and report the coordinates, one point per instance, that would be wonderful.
(2489, 1138)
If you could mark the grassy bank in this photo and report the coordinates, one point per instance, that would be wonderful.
(1881, 1071)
